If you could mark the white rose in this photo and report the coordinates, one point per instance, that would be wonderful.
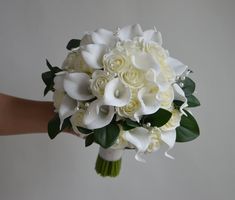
(98, 82)
(130, 109)
(75, 63)
(77, 120)
(173, 122)
(115, 62)
(134, 78)
(155, 137)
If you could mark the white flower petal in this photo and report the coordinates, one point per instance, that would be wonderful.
(179, 95)
(144, 61)
(177, 66)
(59, 81)
(86, 39)
(148, 101)
(93, 54)
(140, 138)
(162, 82)
(98, 115)
(153, 35)
(77, 86)
(116, 93)
(103, 36)
(169, 138)
(66, 108)
(130, 32)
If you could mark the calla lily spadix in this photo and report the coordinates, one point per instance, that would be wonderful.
(116, 93)
(77, 86)
(98, 115)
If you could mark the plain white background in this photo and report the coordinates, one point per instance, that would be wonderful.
(200, 33)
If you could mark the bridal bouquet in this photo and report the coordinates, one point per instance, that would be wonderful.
(122, 91)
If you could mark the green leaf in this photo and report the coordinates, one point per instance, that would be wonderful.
(48, 78)
(66, 124)
(107, 135)
(53, 127)
(84, 130)
(193, 101)
(177, 103)
(89, 140)
(188, 129)
(47, 89)
(128, 124)
(74, 43)
(189, 86)
(49, 65)
(53, 69)
(158, 119)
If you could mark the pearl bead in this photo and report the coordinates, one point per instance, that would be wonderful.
(148, 124)
(181, 84)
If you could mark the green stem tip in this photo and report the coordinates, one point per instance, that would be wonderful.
(107, 168)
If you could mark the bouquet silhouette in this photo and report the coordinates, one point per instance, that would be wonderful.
(122, 90)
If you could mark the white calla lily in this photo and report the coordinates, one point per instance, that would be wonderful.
(145, 61)
(59, 81)
(98, 115)
(152, 35)
(66, 108)
(179, 95)
(148, 100)
(93, 54)
(177, 66)
(130, 32)
(86, 39)
(103, 36)
(169, 138)
(77, 86)
(140, 138)
(116, 93)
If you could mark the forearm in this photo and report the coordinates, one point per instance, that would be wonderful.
(20, 116)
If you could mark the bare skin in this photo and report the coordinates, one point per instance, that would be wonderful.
(22, 116)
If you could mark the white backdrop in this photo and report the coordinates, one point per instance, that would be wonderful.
(200, 33)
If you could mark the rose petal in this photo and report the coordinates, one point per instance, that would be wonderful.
(130, 32)
(98, 115)
(92, 55)
(116, 93)
(77, 86)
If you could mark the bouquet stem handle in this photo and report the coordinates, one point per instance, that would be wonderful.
(108, 162)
